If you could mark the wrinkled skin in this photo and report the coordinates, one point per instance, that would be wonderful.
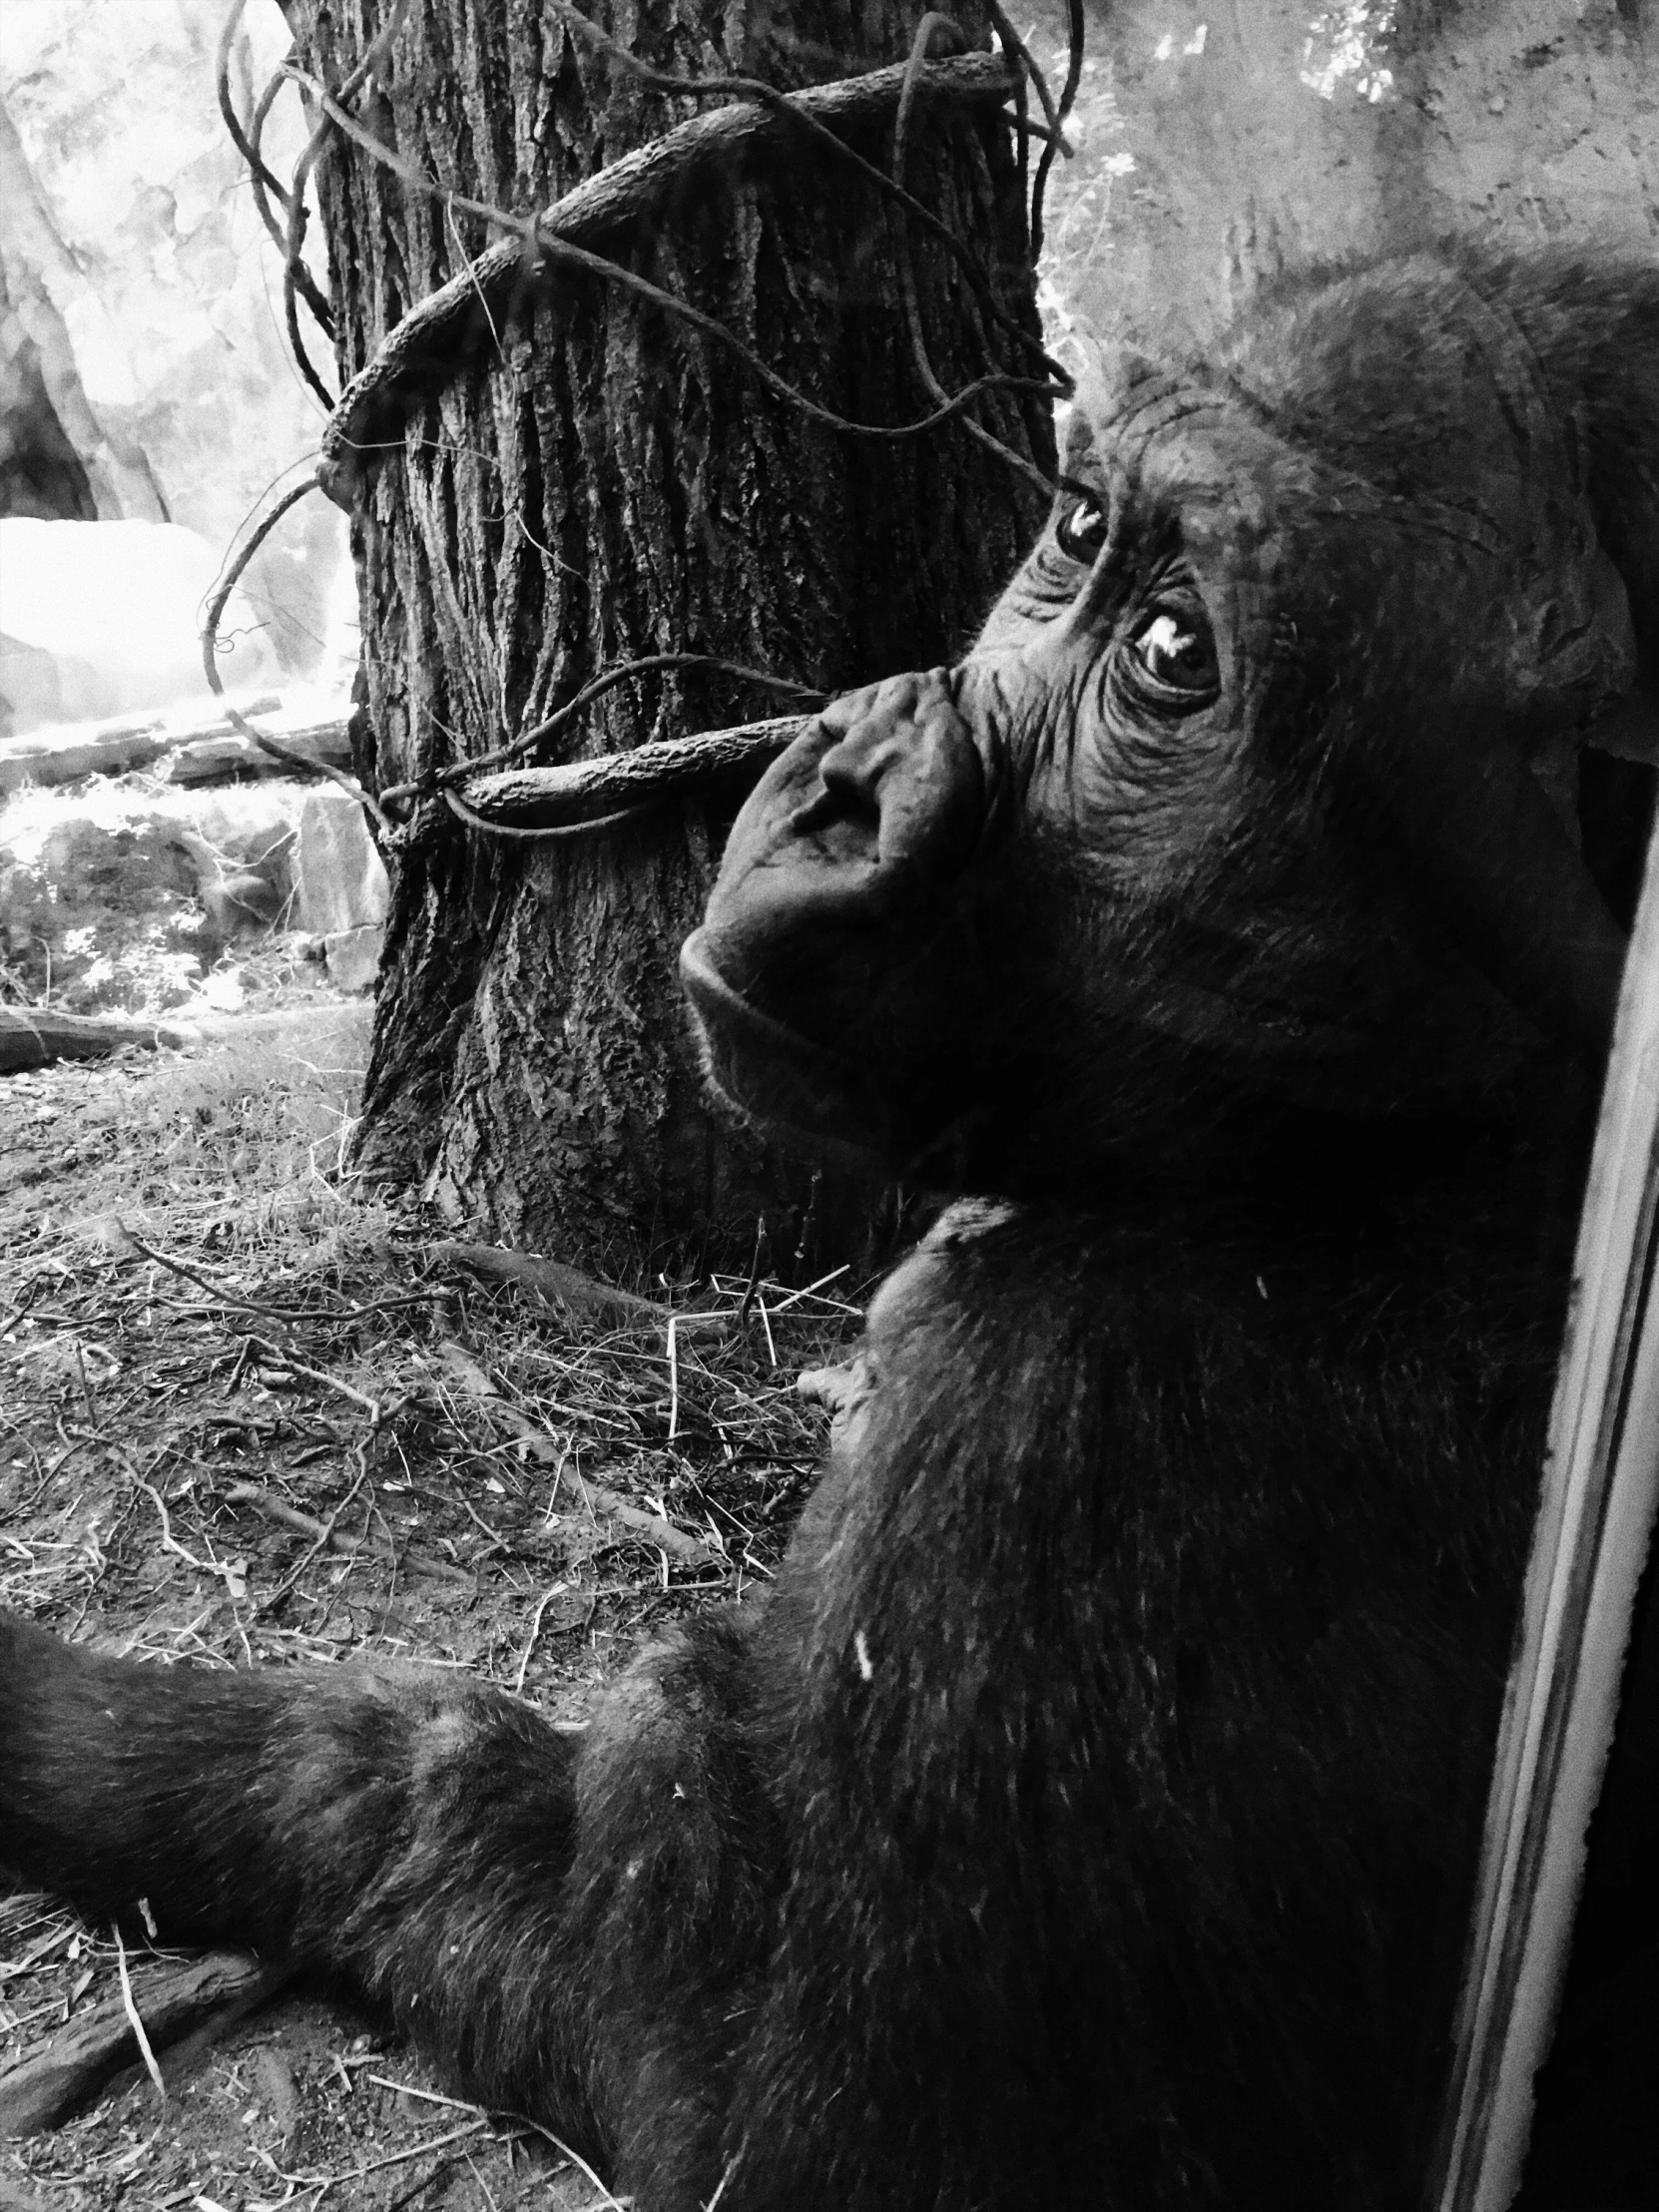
(1253, 785)
(1089, 1817)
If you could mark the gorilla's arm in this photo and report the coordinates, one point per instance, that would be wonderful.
(408, 1830)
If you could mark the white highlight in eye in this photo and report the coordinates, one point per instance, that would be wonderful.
(1176, 651)
(1081, 530)
(1164, 637)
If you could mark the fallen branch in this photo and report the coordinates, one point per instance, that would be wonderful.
(234, 1580)
(319, 745)
(204, 751)
(273, 1508)
(44, 2091)
(423, 352)
(268, 1356)
(35, 1037)
(320, 1542)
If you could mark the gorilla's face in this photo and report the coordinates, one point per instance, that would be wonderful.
(1232, 800)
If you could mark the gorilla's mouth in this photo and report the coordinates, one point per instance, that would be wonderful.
(772, 1073)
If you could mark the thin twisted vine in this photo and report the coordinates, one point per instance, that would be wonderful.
(646, 775)
(265, 183)
(1068, 93)
(216, 683)
(332, 107)
(607, 680)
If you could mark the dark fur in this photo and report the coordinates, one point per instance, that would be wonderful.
(1089, 1816)
(1106, 1719)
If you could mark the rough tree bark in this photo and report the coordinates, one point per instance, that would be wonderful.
(600, 483)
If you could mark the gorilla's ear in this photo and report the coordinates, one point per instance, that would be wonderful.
(1494, 857)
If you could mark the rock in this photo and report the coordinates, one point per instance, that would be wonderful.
(40, 471)
(101, 617)
(236, 904)
(354, 957)
(139, 275)
(339, 878)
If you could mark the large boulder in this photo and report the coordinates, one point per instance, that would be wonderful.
(100, 617)
(137, 301)
(341, 893)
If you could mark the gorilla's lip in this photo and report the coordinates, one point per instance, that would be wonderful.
(771, 1070)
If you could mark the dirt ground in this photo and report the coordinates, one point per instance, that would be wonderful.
(250, 1415)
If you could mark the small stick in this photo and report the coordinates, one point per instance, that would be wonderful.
(170, 1543)
(392, 2158)
(129, 2006)
(319, 1543)
(86, 1386)
(611, 2203)
(753, 1270)
(222, 1296)
(548, 1595)
(426, 2096)
(280, 1360)
(811, 1288)
(676, 1322)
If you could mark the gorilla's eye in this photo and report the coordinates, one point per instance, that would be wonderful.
(1175, 653)
(1081, 530)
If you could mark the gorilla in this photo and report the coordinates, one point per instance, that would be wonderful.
(1089, 1815)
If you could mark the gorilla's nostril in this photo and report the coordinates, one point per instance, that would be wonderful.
(846, 793)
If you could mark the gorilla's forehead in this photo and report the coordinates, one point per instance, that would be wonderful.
(1179, 461)
(1472, 538)
(1253, 452)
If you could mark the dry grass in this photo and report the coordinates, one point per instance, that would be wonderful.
(487, 1465)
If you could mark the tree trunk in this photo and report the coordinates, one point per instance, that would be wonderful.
(604, 482)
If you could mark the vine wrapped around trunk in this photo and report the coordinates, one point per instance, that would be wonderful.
(601, 482)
